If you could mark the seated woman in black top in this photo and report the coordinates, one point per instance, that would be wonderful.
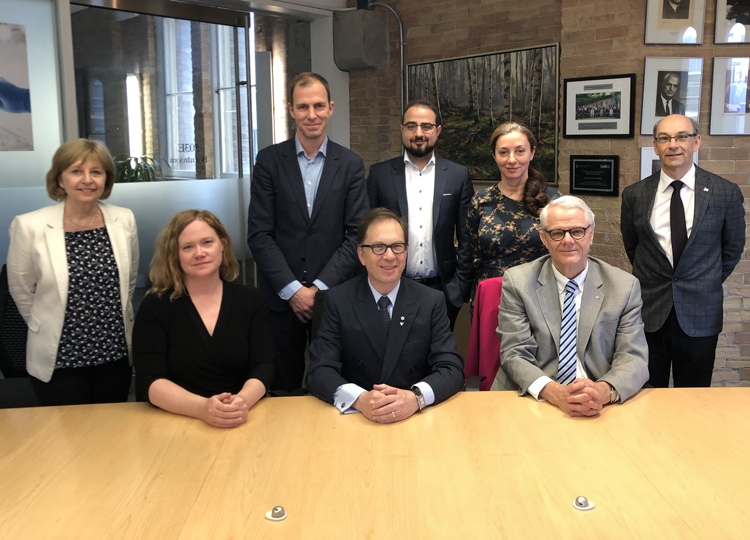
(202, 346)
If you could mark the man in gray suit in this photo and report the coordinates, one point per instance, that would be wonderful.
(434, 195)
(683, 241)
(570, 325)
(308, 193)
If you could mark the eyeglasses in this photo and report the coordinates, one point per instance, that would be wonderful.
(412, 127)
(663, 140)
(575, 234)
(379, 249)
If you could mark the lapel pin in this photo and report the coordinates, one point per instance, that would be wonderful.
(401, 323)
(402, 317)
(705, 189)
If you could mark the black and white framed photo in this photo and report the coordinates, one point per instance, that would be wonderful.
(670, 86)
(730, 97)
(599, 106)
(732, 21)
(677, 22)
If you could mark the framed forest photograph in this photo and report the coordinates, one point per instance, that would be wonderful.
(475, 94)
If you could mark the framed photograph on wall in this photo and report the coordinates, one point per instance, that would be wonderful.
(670, 86)
(599, 106)
(651, 164)
(730, 97)
(675, 21)
(475, 94)
(732, 21)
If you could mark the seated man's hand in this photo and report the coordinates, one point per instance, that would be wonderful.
(582, 397)
(225, 410)
(302, 303)
(385, 404)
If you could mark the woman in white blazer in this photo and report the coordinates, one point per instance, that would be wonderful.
(71, 271)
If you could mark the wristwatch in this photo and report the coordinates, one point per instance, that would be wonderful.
(614, 395)
(420, 398)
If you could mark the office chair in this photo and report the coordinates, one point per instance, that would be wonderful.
(483, 358)
(15, 387)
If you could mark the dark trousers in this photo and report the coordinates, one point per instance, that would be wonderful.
(691, 358)
(453, 311)
(105, 383)
(290, 339)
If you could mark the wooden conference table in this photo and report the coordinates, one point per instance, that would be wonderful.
(670, 463)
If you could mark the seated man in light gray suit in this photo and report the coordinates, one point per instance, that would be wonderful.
(570, 325)
(384, 345)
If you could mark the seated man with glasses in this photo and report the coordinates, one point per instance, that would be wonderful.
(570, 325)
(384, 346)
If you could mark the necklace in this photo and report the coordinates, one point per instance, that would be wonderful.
(84, 226)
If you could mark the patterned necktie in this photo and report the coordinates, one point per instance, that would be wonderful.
(385, 317)
(566, 371)
(677, 223)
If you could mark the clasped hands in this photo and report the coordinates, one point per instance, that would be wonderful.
(302, 303)
(582, 397)
(386, 404)
(225, 410)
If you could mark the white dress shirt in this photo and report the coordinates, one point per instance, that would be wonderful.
(420, 191)
(660, 212)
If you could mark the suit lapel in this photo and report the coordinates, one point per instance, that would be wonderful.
(366, 311)
(593, 298)
(702, 196)
(55, 238)
(399, 185)
(294, 177)
(330, 169)
(441, 178)
(649, 196)
(403, 316)
(548, 296)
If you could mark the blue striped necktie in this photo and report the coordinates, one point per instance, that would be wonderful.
(566, 371)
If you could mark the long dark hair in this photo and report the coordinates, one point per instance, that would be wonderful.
(535, 195)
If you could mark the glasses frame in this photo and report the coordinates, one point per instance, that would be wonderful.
(567, 231)
(386, 247)
(687, 136)
(426, 127)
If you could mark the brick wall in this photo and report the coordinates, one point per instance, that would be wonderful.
(597, 37)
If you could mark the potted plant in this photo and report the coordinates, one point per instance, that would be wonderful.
(137, 169)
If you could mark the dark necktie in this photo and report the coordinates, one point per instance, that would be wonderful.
(566, 370)
(385, 317)
(677, 223)
(669, 107)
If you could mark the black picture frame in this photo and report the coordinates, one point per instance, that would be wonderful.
(599, 107)
(595, 175)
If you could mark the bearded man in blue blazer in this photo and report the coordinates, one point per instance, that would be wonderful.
(682, 280)
(433, 195)
(307, 195)
(384, 346)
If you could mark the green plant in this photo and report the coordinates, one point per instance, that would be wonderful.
(137, 169)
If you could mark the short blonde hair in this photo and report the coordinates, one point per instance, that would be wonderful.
(71, 153)
(166, 272)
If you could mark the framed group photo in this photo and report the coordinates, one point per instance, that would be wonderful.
(677, 22)
(599, 106)
(732, 21)
(730, 99)
(670, 86)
